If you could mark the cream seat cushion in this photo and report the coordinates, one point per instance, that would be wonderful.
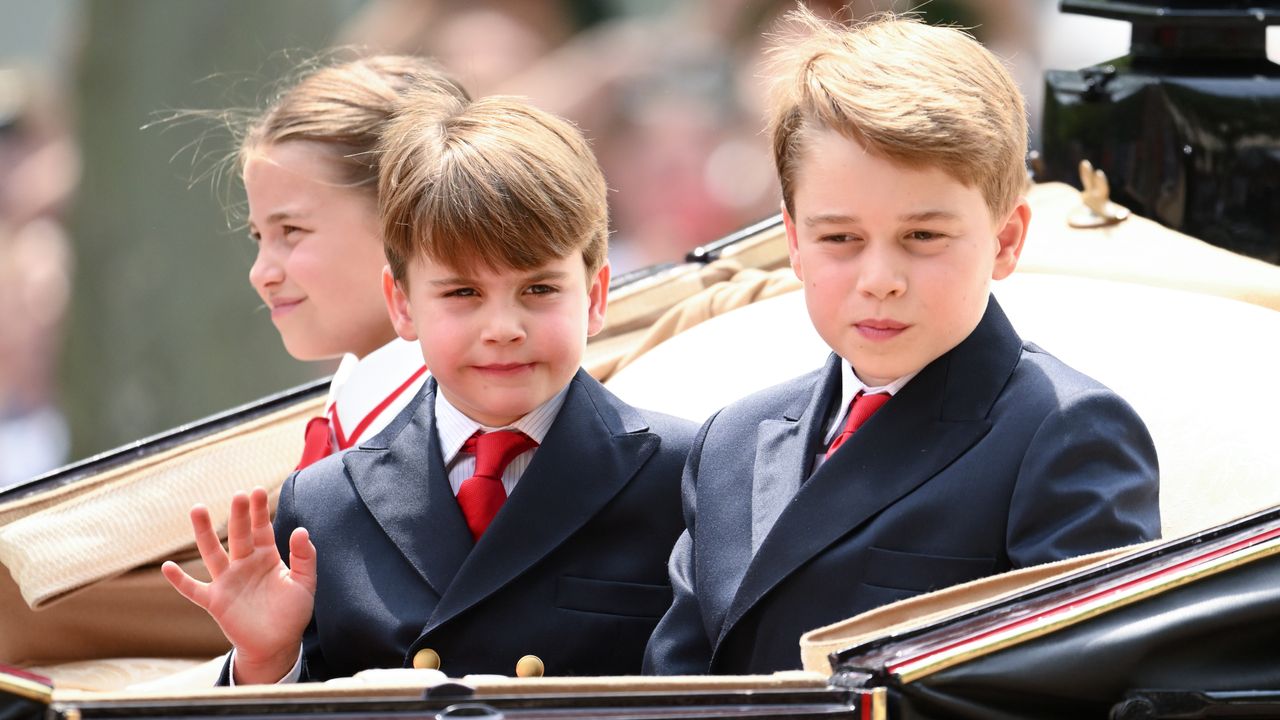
(62, 541)
(1199, 369)
(132, 673)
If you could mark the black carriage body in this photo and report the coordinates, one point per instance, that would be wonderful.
(1187, 126)
(1185, 629)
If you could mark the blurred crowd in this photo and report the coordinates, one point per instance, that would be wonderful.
(667, 92)
(39, 168)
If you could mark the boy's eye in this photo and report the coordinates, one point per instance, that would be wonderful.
(541, 289)
(838, 238)
(255, 237)
(461, 292)
(924, 235)
(288, 230)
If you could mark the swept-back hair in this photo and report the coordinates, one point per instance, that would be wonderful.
(913, 93)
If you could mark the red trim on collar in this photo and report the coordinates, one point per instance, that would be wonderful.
(345, 442)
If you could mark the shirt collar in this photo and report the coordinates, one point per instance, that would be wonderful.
(851, 385)
(454, 427)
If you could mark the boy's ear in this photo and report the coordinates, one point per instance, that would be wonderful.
(1010, 238)
(598, 296)
(793, 247)
(398, 305)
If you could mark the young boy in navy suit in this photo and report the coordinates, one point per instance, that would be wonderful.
(935, 446)
(516, 507)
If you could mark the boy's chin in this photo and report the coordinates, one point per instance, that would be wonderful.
(876, 372)
(500, 415)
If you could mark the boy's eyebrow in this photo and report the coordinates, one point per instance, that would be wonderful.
(545, 275)
(534, 278)
(456, 280)
(840, 219)
(830, 219)
(927, 215)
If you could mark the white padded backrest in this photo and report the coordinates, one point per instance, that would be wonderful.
(1200, 370)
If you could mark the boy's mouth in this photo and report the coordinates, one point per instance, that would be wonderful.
(504, 368)
(880, 329)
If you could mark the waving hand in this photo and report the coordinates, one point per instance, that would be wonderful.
(261, 605)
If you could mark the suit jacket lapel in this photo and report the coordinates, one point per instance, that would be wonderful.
(408, 493)
(785, 446)
(785, 449)
(593, 449)
(939, 415)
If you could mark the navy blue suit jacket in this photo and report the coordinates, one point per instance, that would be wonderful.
(572, 569)
(996, 456)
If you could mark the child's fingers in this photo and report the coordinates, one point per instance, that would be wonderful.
(187, 586)
(260, 519)
(302, 559)
(239, 532)
(207, 542)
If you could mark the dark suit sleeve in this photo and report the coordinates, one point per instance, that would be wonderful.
(1089, 481)
(679, 644)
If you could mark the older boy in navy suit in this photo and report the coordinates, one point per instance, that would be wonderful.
(935, 446)
(494, 222)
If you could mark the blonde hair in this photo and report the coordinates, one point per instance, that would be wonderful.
(912, 93)
(343, 108)
(495, 181)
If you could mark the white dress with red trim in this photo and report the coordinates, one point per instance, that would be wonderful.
(365, 394)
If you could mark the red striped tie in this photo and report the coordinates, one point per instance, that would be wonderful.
(862, 407)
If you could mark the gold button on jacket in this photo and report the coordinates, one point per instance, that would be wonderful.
(426, 659)
(530, 666)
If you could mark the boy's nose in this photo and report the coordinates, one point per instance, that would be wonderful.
(880, 275)
(502, 327)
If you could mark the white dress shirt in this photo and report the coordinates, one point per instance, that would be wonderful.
(850, 386)
(453, 428)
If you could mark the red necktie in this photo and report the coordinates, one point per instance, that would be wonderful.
(482, 494)
(862, 407)
(318, 442)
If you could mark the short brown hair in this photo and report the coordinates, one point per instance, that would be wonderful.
(907, 91)
(495, 181)
(344, 108)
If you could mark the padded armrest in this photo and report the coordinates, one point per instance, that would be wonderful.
(138, 513)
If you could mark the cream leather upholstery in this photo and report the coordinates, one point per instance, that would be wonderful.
(1199, 369)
